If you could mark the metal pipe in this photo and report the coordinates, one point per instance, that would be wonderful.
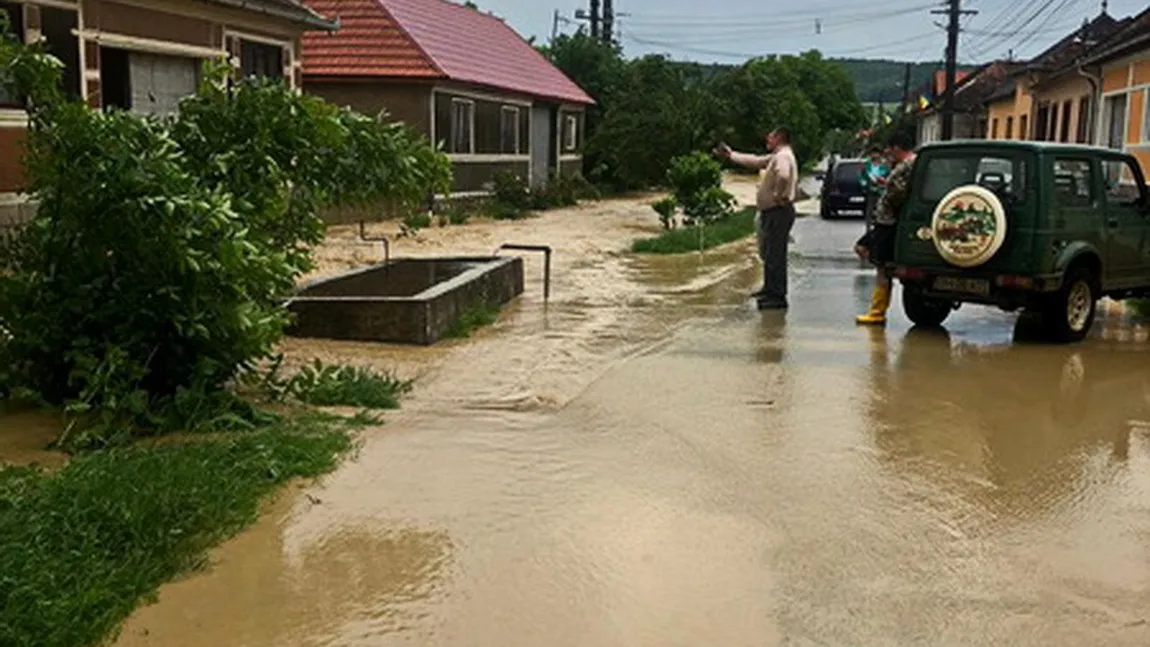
(546, 250)
(382, 240)
(1095, 81)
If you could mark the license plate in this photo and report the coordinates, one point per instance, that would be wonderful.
(967, 286)
(858, 198)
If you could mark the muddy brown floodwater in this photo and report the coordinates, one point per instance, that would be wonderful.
(648, 461)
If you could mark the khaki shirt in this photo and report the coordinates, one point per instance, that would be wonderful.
(778, 176)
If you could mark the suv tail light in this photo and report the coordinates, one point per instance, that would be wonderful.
(910, 273)
(1020, 282)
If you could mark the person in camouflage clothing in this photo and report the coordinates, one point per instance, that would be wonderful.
(877, 245)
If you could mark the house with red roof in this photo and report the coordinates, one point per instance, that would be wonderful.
(464, 78)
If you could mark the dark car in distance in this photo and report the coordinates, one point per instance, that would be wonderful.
(843, 195)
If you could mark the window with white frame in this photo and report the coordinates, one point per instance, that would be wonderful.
(1146, 116)
(261, 60)
(571, 133)
(1114, 122)
(462, 127)
(509, 130)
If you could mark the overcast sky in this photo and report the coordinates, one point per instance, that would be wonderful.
(733, 30)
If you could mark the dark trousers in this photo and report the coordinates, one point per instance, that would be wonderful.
(774, 233)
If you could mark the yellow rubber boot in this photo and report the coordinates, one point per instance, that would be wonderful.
(879, 303)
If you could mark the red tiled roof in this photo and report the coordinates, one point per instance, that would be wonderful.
(431, 39)
(368, 43)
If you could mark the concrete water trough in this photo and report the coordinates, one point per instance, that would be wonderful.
(408, 301)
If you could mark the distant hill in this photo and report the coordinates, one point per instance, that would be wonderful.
(876, 81)
(880, 81)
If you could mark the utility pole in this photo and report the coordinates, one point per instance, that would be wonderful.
(608, 21)
(595, 19)
(555, 26)
(954, 12)
(905, 88)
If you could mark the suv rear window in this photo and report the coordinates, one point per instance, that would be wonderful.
(848, 172)
(943, 173)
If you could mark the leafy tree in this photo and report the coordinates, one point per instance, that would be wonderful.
(163, 249)
(764, 94)
(653, 116)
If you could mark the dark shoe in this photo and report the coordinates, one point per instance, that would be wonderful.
(772, 304)
(760, 293)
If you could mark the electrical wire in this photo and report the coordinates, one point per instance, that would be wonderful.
(1010, 12)
(743, 55)
(1042, 9)
(1026, 41)
(789, 17)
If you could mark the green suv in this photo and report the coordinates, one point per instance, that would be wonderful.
(1038, 226)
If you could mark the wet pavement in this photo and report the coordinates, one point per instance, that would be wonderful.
(649, 461)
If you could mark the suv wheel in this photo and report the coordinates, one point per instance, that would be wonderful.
(924, 311)
(1070, 313)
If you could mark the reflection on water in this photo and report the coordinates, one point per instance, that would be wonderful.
(658, 463)
(272, 586)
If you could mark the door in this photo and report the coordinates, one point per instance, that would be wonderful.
(158, 83)
(1127, 227)
(542, 141)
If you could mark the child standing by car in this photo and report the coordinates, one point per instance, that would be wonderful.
(872, 177)
(877, 245)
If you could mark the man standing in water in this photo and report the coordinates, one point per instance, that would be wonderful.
(778, 180)
(877, 245)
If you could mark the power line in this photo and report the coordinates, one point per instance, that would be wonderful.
(768, 20)
(675, 46)
(1026, 41)
(1010, 12)
(986, 46)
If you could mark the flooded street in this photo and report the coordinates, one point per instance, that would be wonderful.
(647, 460)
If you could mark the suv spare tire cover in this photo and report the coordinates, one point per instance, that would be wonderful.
(969, 226)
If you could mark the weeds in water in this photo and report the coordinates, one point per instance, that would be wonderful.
(80, 548)
(348, 386)
(472, 320)
(330, 385)
(1140, 307)
(693, 239)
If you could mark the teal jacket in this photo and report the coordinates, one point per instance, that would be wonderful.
(870, 175)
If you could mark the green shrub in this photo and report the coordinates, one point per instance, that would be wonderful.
(414, 222)
(509, 194)
(696, 182)
(157, 264)
(666, 208)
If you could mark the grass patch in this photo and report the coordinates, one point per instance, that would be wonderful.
(347, 386)
(81, 547)
(1140, 307)
(472, 320)
(679, 241)
(326, 385)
